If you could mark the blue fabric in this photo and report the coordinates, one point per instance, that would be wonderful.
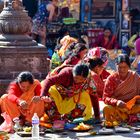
(42, 14)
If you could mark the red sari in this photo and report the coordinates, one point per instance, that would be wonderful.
(127, 91)
(111, 44)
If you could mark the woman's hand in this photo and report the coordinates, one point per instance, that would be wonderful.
(46, 99)
(121, 104)
(23, 104)
(36, 99)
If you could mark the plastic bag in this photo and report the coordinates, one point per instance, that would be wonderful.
(7, 124)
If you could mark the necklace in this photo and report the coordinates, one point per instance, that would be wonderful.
(77, 89)
(79, 95)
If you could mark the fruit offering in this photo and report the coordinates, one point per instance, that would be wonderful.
(111, 124)
(27, 129)
(82, 126)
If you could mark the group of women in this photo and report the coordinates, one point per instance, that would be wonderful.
(73, 89)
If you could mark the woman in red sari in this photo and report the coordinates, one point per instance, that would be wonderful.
(107, 40)
(78, 53)
(102, 53)
(96, 67)
(122, 92)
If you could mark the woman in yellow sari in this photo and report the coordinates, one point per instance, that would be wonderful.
(23, 98)
(69, 91)
(122, 92)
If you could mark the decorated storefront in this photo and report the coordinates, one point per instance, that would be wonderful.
(90, 16)
(122, 16)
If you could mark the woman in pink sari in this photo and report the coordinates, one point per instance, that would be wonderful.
(122, 92)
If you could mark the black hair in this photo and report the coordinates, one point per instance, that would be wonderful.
(63, 31)
(108, 28)
(96, 61)
(25, 76)
(75, 49)
(80, 47)
(81, 70)
(123, 58)
(81, 40)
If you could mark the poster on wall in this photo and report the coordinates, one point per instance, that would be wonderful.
(85, 10)
(125, 35)
(125, 5)
(124, 23)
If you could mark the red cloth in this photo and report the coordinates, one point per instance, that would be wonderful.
(64, 78)
(14, 91)
(72, 61)
(115, 89)
(110, 86)
(104, 74)
(98, 83)
(111, 44)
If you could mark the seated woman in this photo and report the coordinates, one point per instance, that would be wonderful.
(23, 98)
(77, 55)
(121, 92)
(96, 67)
(107, 40)
(100, 53)
(78, 52)
(64, 50)
(69, 91)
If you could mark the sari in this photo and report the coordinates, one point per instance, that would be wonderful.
(14, 110)
(66, 105)
(71, 102)
(64, 52)
(99, 83)
(127, 91)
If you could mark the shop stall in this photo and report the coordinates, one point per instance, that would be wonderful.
(68, 14)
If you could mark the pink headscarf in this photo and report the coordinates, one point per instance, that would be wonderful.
(98, 52)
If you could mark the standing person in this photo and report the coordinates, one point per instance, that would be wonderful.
(23, 98)
(69, 91)
(45, 14)
(122, 92)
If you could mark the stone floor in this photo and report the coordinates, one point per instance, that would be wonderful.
(69, 135)
(82, 136)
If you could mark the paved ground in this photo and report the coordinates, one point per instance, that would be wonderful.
(83, 136)
(68, 135)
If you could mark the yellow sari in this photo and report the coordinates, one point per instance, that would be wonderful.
(68, 104)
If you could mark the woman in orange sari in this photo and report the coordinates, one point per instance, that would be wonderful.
(23, 98)
(122, 92)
